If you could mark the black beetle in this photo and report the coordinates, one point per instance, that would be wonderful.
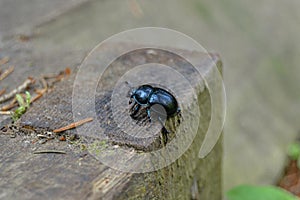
(146, 96)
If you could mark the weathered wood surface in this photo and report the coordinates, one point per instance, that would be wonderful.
(79, 174)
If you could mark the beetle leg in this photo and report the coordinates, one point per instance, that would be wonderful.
(178, 110)
(135, 108)
(164, 135)
(130, 101)
(179, 115)
(149, 114)
(132, 108)
(144, 121)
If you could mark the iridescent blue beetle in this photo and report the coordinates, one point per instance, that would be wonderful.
(147, 96)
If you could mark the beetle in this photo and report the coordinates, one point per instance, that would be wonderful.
(147, 96)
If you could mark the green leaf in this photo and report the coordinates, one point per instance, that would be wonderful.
(20, 100)
(18, 113)
(247, 192)
(23, 106)
(28, 98)
(294, 151)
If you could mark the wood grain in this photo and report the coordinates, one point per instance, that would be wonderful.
(79, 174)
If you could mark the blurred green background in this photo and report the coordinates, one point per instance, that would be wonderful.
(259, 44)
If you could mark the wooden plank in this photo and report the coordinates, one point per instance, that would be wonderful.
(79, 173)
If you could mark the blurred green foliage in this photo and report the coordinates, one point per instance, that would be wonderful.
(247, 192)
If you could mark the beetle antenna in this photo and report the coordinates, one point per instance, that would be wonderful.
(130, 89)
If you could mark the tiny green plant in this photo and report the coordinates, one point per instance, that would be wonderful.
(23, 106)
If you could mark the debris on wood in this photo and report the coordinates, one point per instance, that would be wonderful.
(23, 38)
(7, 72)
(62, 138)
(36, 97)
(19, 89)
(4, 60)
(41, 136)
(68, 71)
(60, 76)
(73, 125)
(49, 76)
(5, 112)
(73, 137)
(13, 103)
(48, 80)
(43, 141)
(2, 91)
(44, 84)
(17, 98)
(40, 92)
(49, 151)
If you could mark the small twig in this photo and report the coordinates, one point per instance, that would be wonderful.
(4, 60)
(59, 77)
(45, 87)
(73, 125)
(9, 106)
(7, 72)
(49, 151)
(41, 136)
(49, 76)
(66, 72)
(19, 89)
(5, 112)
(36, 97)
(44, 83)
(2, 91)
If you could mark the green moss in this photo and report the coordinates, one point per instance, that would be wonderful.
(97, 147)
